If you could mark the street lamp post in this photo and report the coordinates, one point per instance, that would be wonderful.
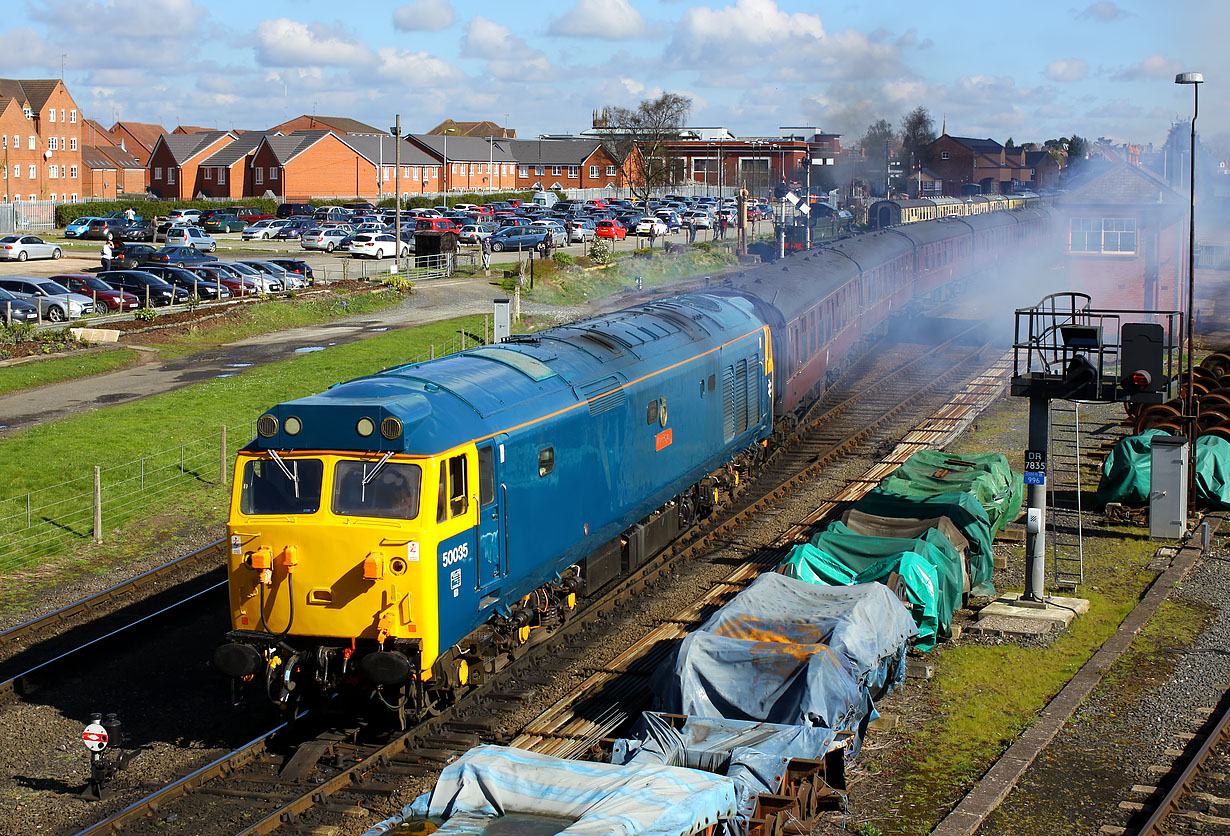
(444, 185)
(1189, 402)
(396, 131)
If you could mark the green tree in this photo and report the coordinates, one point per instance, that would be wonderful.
(917, 132)
(1077, 149)
(877, 146)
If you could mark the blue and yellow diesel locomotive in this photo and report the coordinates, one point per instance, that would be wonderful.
(404, 530)
(410, 526)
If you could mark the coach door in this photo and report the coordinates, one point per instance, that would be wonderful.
(492, 540)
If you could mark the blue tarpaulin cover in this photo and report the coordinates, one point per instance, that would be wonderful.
(791, 653)
(599, 799)
(755, 755)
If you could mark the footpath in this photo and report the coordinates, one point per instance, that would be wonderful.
(431, 302)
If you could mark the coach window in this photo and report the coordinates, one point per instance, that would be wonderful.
(651, 414)
(546, 461)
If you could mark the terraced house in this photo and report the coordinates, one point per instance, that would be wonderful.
(565, 164)
(40, 139)
(174, 165)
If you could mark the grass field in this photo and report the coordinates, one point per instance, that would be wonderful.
(67, 367)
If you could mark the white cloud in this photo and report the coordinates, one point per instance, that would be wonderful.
(23, 48)
(1154, 67)
(425, 69)
(606, 19)
(123, 33)
(1102, 12)
(282, 42)
(1067, 69)
(423, 16)
(507, 54)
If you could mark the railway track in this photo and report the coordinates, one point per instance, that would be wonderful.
(265, 786)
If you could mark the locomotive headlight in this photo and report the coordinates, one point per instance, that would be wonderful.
(292, 425)
(390, 428)
(365, 427)
(267, 425)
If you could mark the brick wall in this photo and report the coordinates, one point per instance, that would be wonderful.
(30, 170)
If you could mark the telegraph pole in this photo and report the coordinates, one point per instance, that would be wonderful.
(396, 189)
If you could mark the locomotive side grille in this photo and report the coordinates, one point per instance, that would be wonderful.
(607, 402)
(604, 402)
(728, 403)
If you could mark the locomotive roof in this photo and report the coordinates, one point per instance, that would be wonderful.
(486, 390)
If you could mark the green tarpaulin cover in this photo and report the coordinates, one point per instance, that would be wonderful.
(860, 553)
(917, 574)
(1213, 470)
(962, 508)
(987, 477)
(1126, 471)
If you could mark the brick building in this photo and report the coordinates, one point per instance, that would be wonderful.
(321, 164)
(40, 139)
(137, 138)
(338, 124)
(174, 164)
(474, 164)
(228, 171)
(1126, 238)
(109, 171)
(564, 164)
(482, 129)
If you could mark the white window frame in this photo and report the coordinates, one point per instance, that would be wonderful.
(17, 171)
(72, 143)
(574, 171)
(72, 174)
(221, 176)
(157, 173)
(53, 172)
(523, 171)
(33, 142)
(610, 171)
(33, 171)
(72, 118)
(208, 172)
(260, 176)
(557, 170)
(273, 173)
(53, 143)
(51, 115)
(593, 171)
(170, 176)
(944, 155)
(74, 196)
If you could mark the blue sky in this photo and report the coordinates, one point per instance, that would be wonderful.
(1026, 70)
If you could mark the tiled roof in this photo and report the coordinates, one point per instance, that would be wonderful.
(118, 156)
(34, 92)
(143, 132)
(979, 146)
(341, 124)
(467, 148)
(382, 150)
(286, 148)
(245, 144)
(1120, 184)
(93, 158)
(183, 147)
(553, 151)
(483, 128)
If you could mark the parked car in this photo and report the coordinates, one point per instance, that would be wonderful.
(190, 236)
(262, 230)
(698, 219)
(190, 216)
(559, 237)
(223, 223)
(153, 291)
(77, 227)
(248, 214)
(177, 256)
(131, 256)
(139, 231)
(100, 228)
(106, 298)
(271, 278)
(436, 225)
(292, 210)
(191, 282)
(652, 227)
(610, 229)
(376, 245)
(240, 283)
(14, 310)
(582, 231)
(475, 233)
(23, 247)
(54, 301)
(293, 229)
(323, 238)
(295, 265)
(519, 238)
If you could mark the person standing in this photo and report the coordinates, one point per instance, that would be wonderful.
(691, 230)
(486, 245)
(130, 215)
(105, 254)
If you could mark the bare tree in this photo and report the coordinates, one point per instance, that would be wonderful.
(917, 132)
(638, 140)
(877, 146)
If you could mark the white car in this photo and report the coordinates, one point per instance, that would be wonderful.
(651, 227)
(263, 230)
(324, 238)
(376, 245)
(190, 236)
(22, 247)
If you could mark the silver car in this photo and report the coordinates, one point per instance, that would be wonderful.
(22, 247)
(55, 301)
(582, 231)
(262, 230)
(279, 277)
(190, 236)
(324, 238)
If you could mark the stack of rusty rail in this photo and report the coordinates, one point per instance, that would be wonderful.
(1212, 399)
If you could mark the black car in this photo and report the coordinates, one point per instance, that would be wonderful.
(100, 228)
(153, 291)
(293, 230)
(191, 282)
(131, 256)
(293, 210)
(294, 265)
(178, 257)
(16, 311)
(138, 231)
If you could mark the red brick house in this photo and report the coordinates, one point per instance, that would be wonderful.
(1126, 238)
(564, 164)
(137, 138)
(109, 171)
(316, 164)
(482, 129)
(474, 164)
(228, 171)
(970, 166)
(174, 164)
(338, 124)
(40, 139)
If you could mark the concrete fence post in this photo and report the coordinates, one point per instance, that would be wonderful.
(97, 504)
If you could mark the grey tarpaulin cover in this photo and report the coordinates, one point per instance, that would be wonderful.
(789, 652)
(600, 799)
(755, 755)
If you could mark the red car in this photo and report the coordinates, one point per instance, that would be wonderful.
(106, 298)
(436, 225)
(611, 229)
(247, 214)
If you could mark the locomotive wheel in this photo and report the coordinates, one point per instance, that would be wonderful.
(1156, 414)
(1218, 363)
(1209, 420)
(1219, 399)
(1172, 427)
(1220, 432)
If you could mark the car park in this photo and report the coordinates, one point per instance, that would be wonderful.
(240, 282)
(77, 227)
(323, 238)
(262, 230)
(53, 300)
(177, 256)
(16, 311)
(190, 236)
(268, 277)
(519, 238)
(106, 298)
(295, 265)
(131, 256)
(24, 247)
(192, 282)
(376, 245)
(153, 291)
(223, 223)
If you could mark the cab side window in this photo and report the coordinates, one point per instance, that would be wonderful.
(452, 500)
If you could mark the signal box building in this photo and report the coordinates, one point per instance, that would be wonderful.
(1126, 238)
